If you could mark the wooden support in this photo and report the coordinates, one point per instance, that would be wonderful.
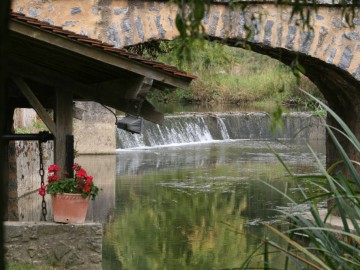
(63, 119)
(146, 87)
(132, 90)
(69, 159)
(4, 42)
(35, 103)
(108, 95)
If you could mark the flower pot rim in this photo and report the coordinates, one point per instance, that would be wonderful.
(65, 193)
(70, 194)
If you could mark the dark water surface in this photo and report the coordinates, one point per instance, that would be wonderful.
(178, 207)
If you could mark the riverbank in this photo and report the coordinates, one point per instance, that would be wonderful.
(228, 75)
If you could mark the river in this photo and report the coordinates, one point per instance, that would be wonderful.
(194, 205)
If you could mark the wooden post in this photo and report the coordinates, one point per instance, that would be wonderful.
(69, 159)
(4, 41)
(63, 119)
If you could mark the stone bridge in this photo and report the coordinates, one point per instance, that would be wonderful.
(330, 53)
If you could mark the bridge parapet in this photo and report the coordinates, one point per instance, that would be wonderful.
(309, 2)
(331, 40)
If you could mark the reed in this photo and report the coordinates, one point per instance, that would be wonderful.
(328, 246)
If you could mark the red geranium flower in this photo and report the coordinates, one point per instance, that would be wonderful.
(53, 177)
(76, 167)
(53, 168)
(88, 179)
(81, 173)
(42, 191)
(80, 184)
(87, 188)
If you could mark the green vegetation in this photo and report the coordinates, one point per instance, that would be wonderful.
(229, 75)
(37, 125)
(165, 223)
(328, 246)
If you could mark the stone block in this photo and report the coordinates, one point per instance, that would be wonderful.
(73, 246)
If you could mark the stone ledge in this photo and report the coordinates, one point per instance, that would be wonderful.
(74, 246)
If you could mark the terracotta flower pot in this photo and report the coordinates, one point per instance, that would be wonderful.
(69, 208)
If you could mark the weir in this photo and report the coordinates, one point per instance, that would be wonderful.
(199, 128)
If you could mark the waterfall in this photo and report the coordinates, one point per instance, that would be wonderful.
(191, 128)
(223, 129)
(175, 130)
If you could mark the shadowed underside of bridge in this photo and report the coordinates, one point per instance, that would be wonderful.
(330, 53)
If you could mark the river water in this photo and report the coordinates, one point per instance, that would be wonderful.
(195, 205)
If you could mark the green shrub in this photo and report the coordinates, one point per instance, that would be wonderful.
(233, 75)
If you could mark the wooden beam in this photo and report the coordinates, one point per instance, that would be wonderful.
(138, 89)
(130, 88)
(133, 89)
(35, 103)
(63, 119)
(146, 87)
(154, 116)
(74, 47)
(42, 75)
(114, 97)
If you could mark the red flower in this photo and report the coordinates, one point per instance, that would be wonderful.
(89, 178)
(42, 191)
(81, 173)
(76, 167)
(53, 168)
(53, 177)
(87, 188)
(80, 184)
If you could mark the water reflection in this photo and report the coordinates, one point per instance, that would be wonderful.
(173, 204)
(102, 168)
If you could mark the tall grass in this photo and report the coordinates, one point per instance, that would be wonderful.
(332, 241)
(233, 75)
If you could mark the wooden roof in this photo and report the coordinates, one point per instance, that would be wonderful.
(49, 57)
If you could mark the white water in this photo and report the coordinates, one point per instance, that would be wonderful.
(223, 129)
(205, 128)
(172, 133)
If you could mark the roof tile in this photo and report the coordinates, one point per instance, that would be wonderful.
(109, 48)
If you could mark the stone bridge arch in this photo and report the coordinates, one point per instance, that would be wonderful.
(330, 54)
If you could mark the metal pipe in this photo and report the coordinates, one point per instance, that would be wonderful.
(28, 137)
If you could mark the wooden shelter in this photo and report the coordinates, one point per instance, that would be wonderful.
(50, 68)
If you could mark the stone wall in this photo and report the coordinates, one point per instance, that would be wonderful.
(73, 246)
(24, 178)
(95, 132)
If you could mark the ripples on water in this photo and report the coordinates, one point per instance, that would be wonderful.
(178, 207)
